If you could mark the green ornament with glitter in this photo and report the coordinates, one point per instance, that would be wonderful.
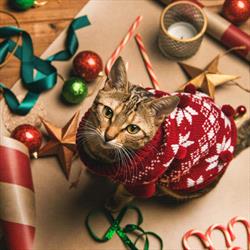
(22, 4)
(26, 4)
(74, 90)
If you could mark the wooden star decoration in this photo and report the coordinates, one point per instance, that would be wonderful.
(62, 142)
(206, 80)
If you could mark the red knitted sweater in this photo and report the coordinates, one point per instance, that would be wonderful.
(194, 145)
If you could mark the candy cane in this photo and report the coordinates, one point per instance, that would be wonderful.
(122, 44)
(147, 62)
(227, 232)
(197, 234)
(223, 230)
(243, 221)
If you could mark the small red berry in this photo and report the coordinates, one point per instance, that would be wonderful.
(241, 110)
(184, 101)
(226, 156)
(190, 88)
(228, 110)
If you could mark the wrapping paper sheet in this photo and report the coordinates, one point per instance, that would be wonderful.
(61, 211)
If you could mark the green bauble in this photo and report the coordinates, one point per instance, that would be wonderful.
(74, 90)
(22, 4)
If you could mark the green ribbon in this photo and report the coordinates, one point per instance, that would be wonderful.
(122, 232)
(46, 76)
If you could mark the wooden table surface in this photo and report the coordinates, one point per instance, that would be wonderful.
(44, 24)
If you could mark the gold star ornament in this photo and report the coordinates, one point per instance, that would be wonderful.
(206, 80)
(62, 143)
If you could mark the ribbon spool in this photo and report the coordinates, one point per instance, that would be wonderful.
(186, 13)
(7, 59)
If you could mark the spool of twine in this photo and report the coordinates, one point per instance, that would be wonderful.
(181, 11)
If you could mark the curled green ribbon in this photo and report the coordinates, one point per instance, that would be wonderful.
(122, 232)
(46, 76)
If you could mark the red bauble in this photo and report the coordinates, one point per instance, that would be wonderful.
(241, 110)
(236, 11)
(29, 136)
(87, 64)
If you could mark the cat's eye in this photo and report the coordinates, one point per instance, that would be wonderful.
(107, 112)
(133, 129)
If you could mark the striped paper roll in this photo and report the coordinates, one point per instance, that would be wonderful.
(222, 30)
(17, 203)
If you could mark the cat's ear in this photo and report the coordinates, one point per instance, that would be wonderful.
(118, 76)
(162, 107)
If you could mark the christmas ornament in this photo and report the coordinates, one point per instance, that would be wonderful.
(122, 44)
(22, 4)
(17, 207)
(122, 232)
(206, 79)
(74, 90)
(236, 11)
(228, 233)
(26, 4)
(241, 110)
(62, 142)
(30, 136)
(147, 62)
(88, 65)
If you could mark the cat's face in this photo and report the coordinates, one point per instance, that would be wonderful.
(123, 118)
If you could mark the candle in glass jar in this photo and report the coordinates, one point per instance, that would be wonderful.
(182, 30)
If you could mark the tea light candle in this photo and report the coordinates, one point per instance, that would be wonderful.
(182, 30)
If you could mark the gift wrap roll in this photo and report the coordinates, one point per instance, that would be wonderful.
(17, 203)
(223, 31)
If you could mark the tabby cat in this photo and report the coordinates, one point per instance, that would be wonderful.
(154, 143)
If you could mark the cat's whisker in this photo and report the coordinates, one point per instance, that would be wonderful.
(131, 159)
(136, 169)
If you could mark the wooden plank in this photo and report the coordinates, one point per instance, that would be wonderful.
(44, 24)
(53, 10)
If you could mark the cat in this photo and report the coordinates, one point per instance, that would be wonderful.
(154, 143)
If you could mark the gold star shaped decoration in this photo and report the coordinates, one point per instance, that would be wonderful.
(206, 80)
(62, 142)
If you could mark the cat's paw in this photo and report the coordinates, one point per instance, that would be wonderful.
(114, 205)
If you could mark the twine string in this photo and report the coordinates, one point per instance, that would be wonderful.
(11, 54)
(234, 83)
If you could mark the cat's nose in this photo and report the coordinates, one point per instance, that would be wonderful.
(108, 137)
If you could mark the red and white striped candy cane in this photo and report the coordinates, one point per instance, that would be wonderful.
(17, 201)
(223, 230)
(243, 221)
(147, 62)
(122, 44)
(199, 235)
